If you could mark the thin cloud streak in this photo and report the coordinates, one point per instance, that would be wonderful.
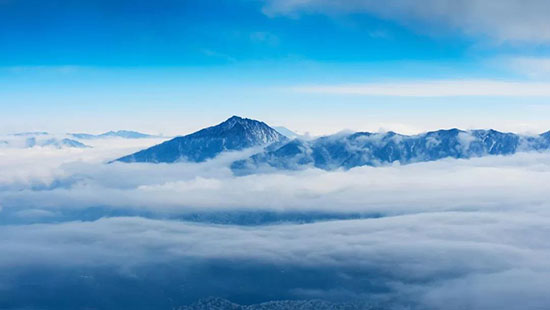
(434, 88)
(533, 67)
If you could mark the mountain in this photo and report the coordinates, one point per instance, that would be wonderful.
(60, 143)
(344, 150)
(41, 139)
(54, 142)
(375, 149)
(234, 134)
(214, 303)
(30, 142)
(110, 134)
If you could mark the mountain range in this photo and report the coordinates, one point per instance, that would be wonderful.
(28, 140)
(344, 150)
(127, 134)
(59, 141)
(376, 149)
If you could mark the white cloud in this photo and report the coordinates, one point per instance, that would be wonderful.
(494, 290)
(489, 256)
(533, 67)
(64, 179)
(479, 227)
(42, 164)
(435, 88)
(506, 20)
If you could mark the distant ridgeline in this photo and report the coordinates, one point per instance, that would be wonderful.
(335, 151)
(127, 134)
(62, 141)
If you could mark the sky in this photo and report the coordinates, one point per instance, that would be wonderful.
(76, 232)
(313, 66)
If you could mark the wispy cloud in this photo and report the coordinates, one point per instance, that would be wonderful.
(216, 54)
(62, 70)
(504, 21)
(434, 88)
(533, 67)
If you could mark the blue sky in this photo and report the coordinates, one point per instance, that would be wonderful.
(172, 66)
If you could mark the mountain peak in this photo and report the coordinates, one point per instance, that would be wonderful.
(234, 134)
(234, 120)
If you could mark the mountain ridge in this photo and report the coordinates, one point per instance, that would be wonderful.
(128, 134)
(342, 150)
(30, 141)
(376, 149)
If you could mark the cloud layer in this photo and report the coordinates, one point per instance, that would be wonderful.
(493, 260)
(476, 229)
(503, 21)
(495, 183)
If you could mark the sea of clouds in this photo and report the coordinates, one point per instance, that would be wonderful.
(450, 234)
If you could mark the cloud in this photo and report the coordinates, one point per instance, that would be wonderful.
(68, 180)
(497, 290)
(215, 54)
(58, 70)
(435, 88)
(478, 227)
(20, 165)
(503, 21)
(533, 67)
(433, 255)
